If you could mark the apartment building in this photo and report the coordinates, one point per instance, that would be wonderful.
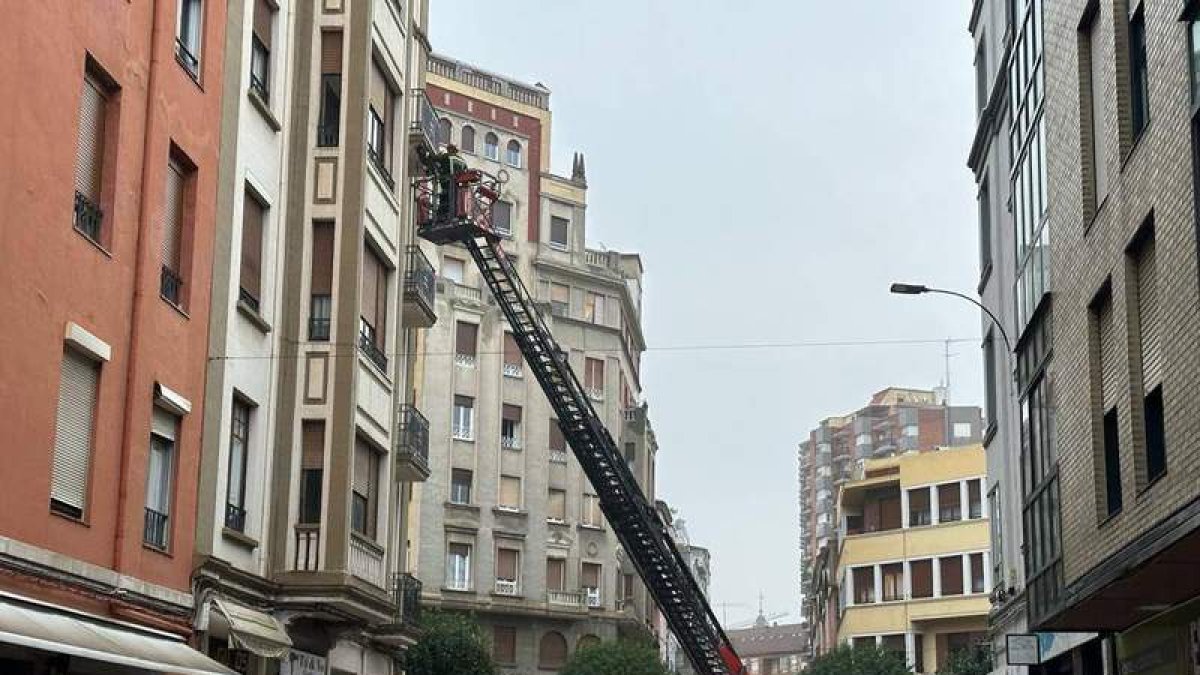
(699, 563)
(509, 527)
(772, 649)
(312, 441)
(105, 266)
(1120, 151)
(895, 420)
(913, 564)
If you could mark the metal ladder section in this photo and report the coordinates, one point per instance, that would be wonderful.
(634, 520)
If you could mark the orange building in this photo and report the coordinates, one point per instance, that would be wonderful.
(108, 190)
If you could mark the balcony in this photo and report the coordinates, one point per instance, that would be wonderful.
(406, 593)
(308, 547)
(592, 596)
(419, 290)
(412, 445)
(423, 131)
(510, 442)
(507, 587)
(565, 599)
(170, 286)
(367, 344)
(513, 370)
(88, 217)
(235, 517)
(154, 529)
(366, 560)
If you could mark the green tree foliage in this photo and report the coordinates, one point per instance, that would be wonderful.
(450, 644)
(863, 660)
(623, 657)
(974, 661)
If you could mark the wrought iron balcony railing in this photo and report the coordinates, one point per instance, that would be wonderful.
(367, 343)
(88, 217)
(420, 283)
(154, 529)
(424, 119)
(170, 285)
(235, 517)
(412, 440)
(406, 593)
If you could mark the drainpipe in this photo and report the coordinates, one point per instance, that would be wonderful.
(145, 222)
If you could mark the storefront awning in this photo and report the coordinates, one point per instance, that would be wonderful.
(252, 630)
(47, 627)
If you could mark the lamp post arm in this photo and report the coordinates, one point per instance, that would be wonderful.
(980, 305)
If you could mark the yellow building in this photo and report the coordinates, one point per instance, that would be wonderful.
(913, 562)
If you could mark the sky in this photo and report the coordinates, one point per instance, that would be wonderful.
(777, 164)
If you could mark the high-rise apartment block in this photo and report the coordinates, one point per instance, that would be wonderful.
(509, 527)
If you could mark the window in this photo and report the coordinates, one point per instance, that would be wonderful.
(1149, 319)
(513, 156)
(1039, 466)
(491, 146)
(364, 503)
(445, 131)
(985, 227)
(894, 644)
(949, 503)
(467, 140)
(508, 565)
(1108, 374)
(893, 582)
(329, 122)
(975, 498)
(560, 299)
(260, 49)
(981, 76)
(320, 309)
(502, 217)
(460, 486)
(464, 418)
(593, 307)
(453, 269)
(557, 443)
(556, 505)
(188, 34)
(458, 567)
(918, 507)
(1156, 447)
(510, 427)
(373, 308)
(156, 528)
(171, 280)
(510, 493)
(1112, 462)
(589, 581)
(558, 232)
(556, 574)
(952, 575)
(989, 377)
(512, 357)
(864, 585)
(593, 378)
(977, 581)
(1139, 87)
(996, 526)
(250, 277)
(380, 111)
(922, 578)
(630, 454)
(235, 484)
(89, 158)
(78, 386)
(552, 652)
(312, 470)
(466, 337)
(962, 430)
(1091, 86)
(591, 510)
(504, 645)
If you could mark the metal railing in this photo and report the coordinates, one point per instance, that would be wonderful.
(462, 432)
(154, 528)
(88, 217)
(507, 587)
(465, 360)
(513, 370)
(412, 436)
(510, 442)
(406, 593)
(366, 343)
(558, 456)
(170, 285)
(308, 547)
(377, 146)
(235, 517)
(593, 597)
(424, 119)
(419, 278)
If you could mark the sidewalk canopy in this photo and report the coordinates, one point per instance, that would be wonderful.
(252, 630)
(38, 625)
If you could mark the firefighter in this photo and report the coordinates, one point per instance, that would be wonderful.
(446, 165)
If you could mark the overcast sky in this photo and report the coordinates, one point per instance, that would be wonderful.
(777, 164)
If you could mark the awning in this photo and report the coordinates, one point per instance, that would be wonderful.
(51, 628)
(254, 631)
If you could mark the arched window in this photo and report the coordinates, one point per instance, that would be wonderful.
(588, 641)
(552, 653)
(491, 146)
(444, 129)
(468, 138)
(514, 154)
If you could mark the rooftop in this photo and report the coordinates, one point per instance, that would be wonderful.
(536, 95)
(791, 638)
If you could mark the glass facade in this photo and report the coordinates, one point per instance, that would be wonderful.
(1027, 142)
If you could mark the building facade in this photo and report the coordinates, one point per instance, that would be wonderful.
(913, 562)
(895, 420)
(772, 649)
(509, 528)
(699, 563)
(312, 440)
(112, 152)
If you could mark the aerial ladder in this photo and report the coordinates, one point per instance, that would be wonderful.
(455, 206)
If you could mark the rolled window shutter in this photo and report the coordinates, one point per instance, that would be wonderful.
(555, 568)
(370, 282)
(381, 302)
(331, 52)
(510, 491)
(74, 427)
(252, 236)
(262, 22)
(322, 263)
(313, 445)
(591, 576)
(613, 306)
(506, 564)
(557, 440)
(362, 469)
(380, 93)
(164, 424)
(558, 504)
(1111, 371)
(560, 293)
(172, 217)
(511, 412)
(1150, 315)
(512, 353)
(90, 153)
(466, 337)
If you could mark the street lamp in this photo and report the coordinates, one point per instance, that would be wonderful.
(919, 289)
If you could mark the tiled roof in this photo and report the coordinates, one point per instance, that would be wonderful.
(789, 638)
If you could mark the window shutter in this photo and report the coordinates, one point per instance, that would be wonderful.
(380, 93)
(90, 153)
(506, 564)
(555, 573)
(511, 412)
(591, 576)
(505, 640)
(468, 142)
(331, 52)
(557, 507)
(512, 353)
(464, 341)
(613, 306)
(322, 264)
(74, 427)
(362, 469)
(370, 288)
(557, 441)
(312, 454)
(381, 304)
(252, 236)
(1149, 315)
(510, 491)
(262, 22)
(560, 293)
(164, 424)
(172, 217)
